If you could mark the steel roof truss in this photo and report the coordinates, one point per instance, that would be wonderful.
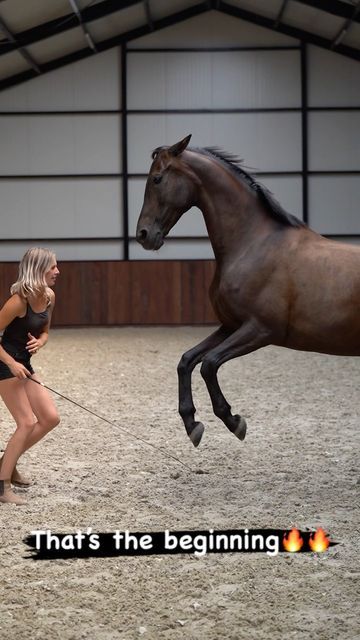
(25, 54)
(83, 26)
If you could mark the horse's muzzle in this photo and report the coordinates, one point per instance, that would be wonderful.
(150, 238)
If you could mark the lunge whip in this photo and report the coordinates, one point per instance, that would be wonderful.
(113, 424)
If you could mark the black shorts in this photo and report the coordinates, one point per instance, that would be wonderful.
(5, 372)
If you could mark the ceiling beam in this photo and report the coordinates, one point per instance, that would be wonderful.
(287, 30)
(148, 15)
(107, 7)
(83, 26)
(144, 30)
(279, 16)
(66, 22)
(345, 28)
(175, 18)
(336, 7)
(21, 50)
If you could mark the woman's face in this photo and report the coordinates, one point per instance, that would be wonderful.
(52, 274)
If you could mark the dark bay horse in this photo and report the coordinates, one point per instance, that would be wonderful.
(276, 281)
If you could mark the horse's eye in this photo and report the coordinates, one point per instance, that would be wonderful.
(157, 179)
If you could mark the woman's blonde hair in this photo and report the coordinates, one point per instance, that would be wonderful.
(32, 268)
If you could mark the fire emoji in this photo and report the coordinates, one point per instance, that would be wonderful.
(293, 541)
(319, 541)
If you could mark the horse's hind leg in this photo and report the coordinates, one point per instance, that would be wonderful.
(186, 365)
(248, 338)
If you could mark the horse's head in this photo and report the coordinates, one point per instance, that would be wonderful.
(170, 191)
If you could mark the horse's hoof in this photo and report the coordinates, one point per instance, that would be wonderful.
(196, 434)
(240, 429)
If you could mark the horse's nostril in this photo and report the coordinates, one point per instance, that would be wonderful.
(142, 234)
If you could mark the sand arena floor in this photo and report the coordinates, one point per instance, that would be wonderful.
(297, 467)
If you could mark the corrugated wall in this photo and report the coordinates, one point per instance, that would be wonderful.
(76, 144)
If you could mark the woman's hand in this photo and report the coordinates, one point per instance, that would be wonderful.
(19, 371)
(33, 345)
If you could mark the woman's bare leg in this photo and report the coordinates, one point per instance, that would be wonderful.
(12, 392)
(43, 407)
(24, 399)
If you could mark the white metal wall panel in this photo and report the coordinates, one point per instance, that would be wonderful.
(266, 141)
(91, 84)
(256, 79)
(334, 81)
(335, 204)
(190, 224)
(347, 240)
(174, 250)
(288, 191)
(169, 80)
(213, 29)
(68, 208)
(91, 144)
(221, 80)
(70, 144)
(67, 250)
(334, 141)
(95, 250)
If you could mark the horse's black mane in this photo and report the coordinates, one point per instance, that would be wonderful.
(272, 205)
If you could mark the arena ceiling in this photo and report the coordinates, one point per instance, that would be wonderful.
(37, 36)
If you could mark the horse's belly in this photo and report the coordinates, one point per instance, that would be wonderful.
(322, 347)
(326, 318)
(335, 339)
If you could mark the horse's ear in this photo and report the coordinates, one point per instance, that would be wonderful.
(179, 147)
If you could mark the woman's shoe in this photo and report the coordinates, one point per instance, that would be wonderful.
(7, 496)
(19, 481)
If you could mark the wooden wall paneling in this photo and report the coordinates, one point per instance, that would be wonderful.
(8, 275)
(155, 292)
(93, 293)
(209, 313)
(195, 282)
(118, 292)
(89, 292)
(191, 286)
(68, 310)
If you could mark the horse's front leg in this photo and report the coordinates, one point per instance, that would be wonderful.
(248, 338)
(185, 368)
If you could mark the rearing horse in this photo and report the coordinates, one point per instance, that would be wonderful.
(277, 282)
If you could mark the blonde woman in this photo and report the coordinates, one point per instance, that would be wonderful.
(25, 321)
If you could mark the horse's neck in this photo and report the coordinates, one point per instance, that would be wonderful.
(232, 212)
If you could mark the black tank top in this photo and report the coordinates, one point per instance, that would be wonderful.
(15, 336)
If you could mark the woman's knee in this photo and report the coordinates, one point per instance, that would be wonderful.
(51, 420)
(25, 425)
